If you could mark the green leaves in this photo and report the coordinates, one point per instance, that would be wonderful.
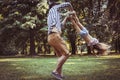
(42, 7)
(1, 17)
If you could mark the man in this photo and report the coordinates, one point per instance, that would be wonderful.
(55, 24)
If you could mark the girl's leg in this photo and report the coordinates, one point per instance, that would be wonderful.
(83, 32)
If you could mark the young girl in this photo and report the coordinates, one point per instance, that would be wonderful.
(92, 42)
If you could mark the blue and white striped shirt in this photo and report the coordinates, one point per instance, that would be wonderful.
(54, 17)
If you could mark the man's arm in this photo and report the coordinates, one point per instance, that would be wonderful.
(64, 20)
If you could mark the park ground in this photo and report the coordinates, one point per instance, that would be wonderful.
(76, 68)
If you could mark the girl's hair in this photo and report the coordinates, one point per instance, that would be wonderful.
(101, 48)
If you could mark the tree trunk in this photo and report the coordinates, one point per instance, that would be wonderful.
(72, 38)
(32, 42)
(119, 45)
(114, 16)
(89, 50)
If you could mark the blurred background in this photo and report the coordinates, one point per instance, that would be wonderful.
(23, 26)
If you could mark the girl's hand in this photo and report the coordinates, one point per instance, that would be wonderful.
(71, 12)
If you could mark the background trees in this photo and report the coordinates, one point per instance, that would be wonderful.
(101, 17)
(20, 24)
(23, 27)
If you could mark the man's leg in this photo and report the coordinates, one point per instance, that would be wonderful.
(59, 45)
(61, 61)
(62, 49)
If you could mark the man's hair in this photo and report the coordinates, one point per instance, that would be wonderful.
(66, 0)
(52, 3)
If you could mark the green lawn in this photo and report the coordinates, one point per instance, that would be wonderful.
(76, 68)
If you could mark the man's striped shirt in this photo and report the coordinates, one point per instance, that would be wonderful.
(54, 17)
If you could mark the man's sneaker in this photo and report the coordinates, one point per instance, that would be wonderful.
(57, 76)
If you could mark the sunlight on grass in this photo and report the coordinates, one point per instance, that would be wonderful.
(70, 63)
(13, 59)
(29, 77)
(74, 61)
(111, 56)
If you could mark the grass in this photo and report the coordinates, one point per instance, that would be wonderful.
(76, 68)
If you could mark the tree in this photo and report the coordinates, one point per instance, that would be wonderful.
(93, 14)
(114, 17)
(23, 24)
(18, 19)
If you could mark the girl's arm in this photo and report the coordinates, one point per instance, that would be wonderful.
(88, 38)
(64, 20)
(78, 22)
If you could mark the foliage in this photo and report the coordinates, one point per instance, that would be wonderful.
(100, 17)
(19, 17)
